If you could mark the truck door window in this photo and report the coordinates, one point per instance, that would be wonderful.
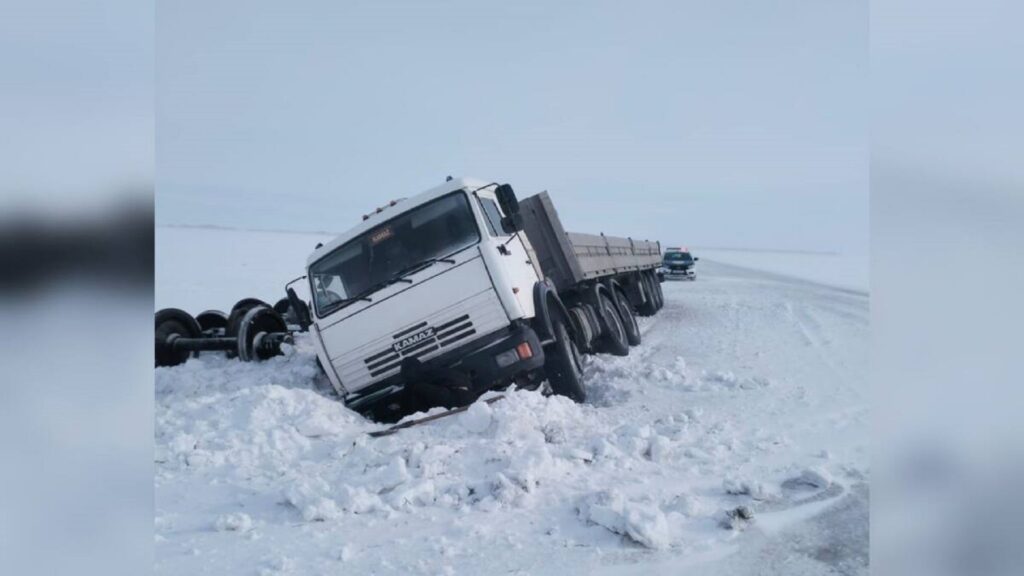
(492, 215)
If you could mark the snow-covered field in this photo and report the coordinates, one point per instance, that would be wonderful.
(749, 389)
(850, 271)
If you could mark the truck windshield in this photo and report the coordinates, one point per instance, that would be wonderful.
(381, 255)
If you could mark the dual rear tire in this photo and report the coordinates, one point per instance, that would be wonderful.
(628, 318)
(615, 340)
(562, 365)
(652, 301)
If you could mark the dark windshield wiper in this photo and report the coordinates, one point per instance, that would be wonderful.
(414, 268)
(364, 296)
(338, 304)
(399, 277)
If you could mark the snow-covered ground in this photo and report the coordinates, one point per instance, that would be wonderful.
(850, 270)
(749, 389)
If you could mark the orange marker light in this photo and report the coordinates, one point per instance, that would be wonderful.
(524, 351)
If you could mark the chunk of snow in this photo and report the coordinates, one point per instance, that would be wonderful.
(737, 518)
(234, 522)
(747, 487)
(644, 524)
(308, 496)
(477, 419)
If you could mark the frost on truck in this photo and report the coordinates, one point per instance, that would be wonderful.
(438, 298)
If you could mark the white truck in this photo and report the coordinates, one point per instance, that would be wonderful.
(465, 279)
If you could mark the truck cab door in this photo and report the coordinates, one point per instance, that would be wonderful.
(512, 254)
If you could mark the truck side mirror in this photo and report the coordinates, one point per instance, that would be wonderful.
(507, 199)
(512, 222)
(695, 259)
(300, 310)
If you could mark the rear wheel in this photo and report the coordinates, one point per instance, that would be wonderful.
(659, 296)
(614, 340)
(628, 318)
(649, 305)
(562, 363)
(253, 327)
(238, 312)
(213, 322)
(173, 323)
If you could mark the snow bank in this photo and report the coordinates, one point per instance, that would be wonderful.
(265, 425)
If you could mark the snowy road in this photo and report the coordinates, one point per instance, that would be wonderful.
(749, 389)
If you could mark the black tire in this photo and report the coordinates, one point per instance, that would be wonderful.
(614, 340)
(257, 320)
(212, 322)
(245, 304)
(282, 306)
(628, 318)
(562, 363)
(238, 312)
(659, 296)
(649, 306)
(171, 322)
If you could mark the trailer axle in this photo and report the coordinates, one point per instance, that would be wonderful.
(254, 332)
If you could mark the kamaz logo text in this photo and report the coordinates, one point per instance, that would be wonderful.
(408, 341)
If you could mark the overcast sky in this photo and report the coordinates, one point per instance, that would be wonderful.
(707, 123)
(76, 102)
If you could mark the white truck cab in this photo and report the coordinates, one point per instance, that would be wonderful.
(416, 279)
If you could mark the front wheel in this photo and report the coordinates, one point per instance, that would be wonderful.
(562, 364)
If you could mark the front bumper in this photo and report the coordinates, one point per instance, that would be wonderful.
(680, 274)
(476, 359)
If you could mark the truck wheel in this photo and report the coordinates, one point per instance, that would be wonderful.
(562, 363)
(212, 322)
(613, 341)
(238, 312)
(628, 318)
(649, 306)
(659, 296)
(173, 322)
(258, 320)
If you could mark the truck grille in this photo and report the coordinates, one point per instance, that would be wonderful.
(417, 341)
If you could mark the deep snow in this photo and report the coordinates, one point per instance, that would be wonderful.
(749, 390)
